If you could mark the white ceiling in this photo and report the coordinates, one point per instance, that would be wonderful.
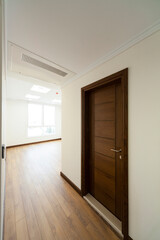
(75, 34)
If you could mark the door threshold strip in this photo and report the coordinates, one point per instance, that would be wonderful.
(114, 222)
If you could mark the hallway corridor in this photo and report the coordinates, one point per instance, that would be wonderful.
(40, 204)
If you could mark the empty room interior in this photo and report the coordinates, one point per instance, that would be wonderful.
(80, 120)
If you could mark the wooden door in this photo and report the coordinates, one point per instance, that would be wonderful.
(104, 173)
(105, 165)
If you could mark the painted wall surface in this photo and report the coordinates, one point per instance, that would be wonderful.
(143, 62)
(17, 124)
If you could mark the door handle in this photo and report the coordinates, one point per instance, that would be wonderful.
(115, 150)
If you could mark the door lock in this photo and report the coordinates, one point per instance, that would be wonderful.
(115, 150)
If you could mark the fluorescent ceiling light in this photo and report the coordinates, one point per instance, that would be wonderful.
(37, 88)
(29, 96)
(56, 101)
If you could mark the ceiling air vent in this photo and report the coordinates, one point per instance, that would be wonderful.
(45, 66)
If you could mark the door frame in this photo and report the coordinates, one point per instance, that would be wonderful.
(123, 77)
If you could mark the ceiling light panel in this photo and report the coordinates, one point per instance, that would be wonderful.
(40, 89)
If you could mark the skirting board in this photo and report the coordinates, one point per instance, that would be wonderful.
(19, 145)
(71, 183)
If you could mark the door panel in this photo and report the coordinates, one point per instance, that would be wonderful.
(105, 129)
(105, 164)
(104, 182)
(103, 146)
(101, 196)
(105, 111)
(105, 167)
(102, 97)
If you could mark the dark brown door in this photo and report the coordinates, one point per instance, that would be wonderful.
(105, 127)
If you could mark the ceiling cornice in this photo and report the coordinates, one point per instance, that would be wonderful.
(146, 33)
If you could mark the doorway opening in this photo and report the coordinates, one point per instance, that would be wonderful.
(33, 111)
(104, 166)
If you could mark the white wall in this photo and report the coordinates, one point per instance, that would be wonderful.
(143, 61)
(17, 124)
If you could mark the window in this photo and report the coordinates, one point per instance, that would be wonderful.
(41, 120)
(34, 115)
(49, 115)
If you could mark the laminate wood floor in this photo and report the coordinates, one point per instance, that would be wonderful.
(40, 204)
